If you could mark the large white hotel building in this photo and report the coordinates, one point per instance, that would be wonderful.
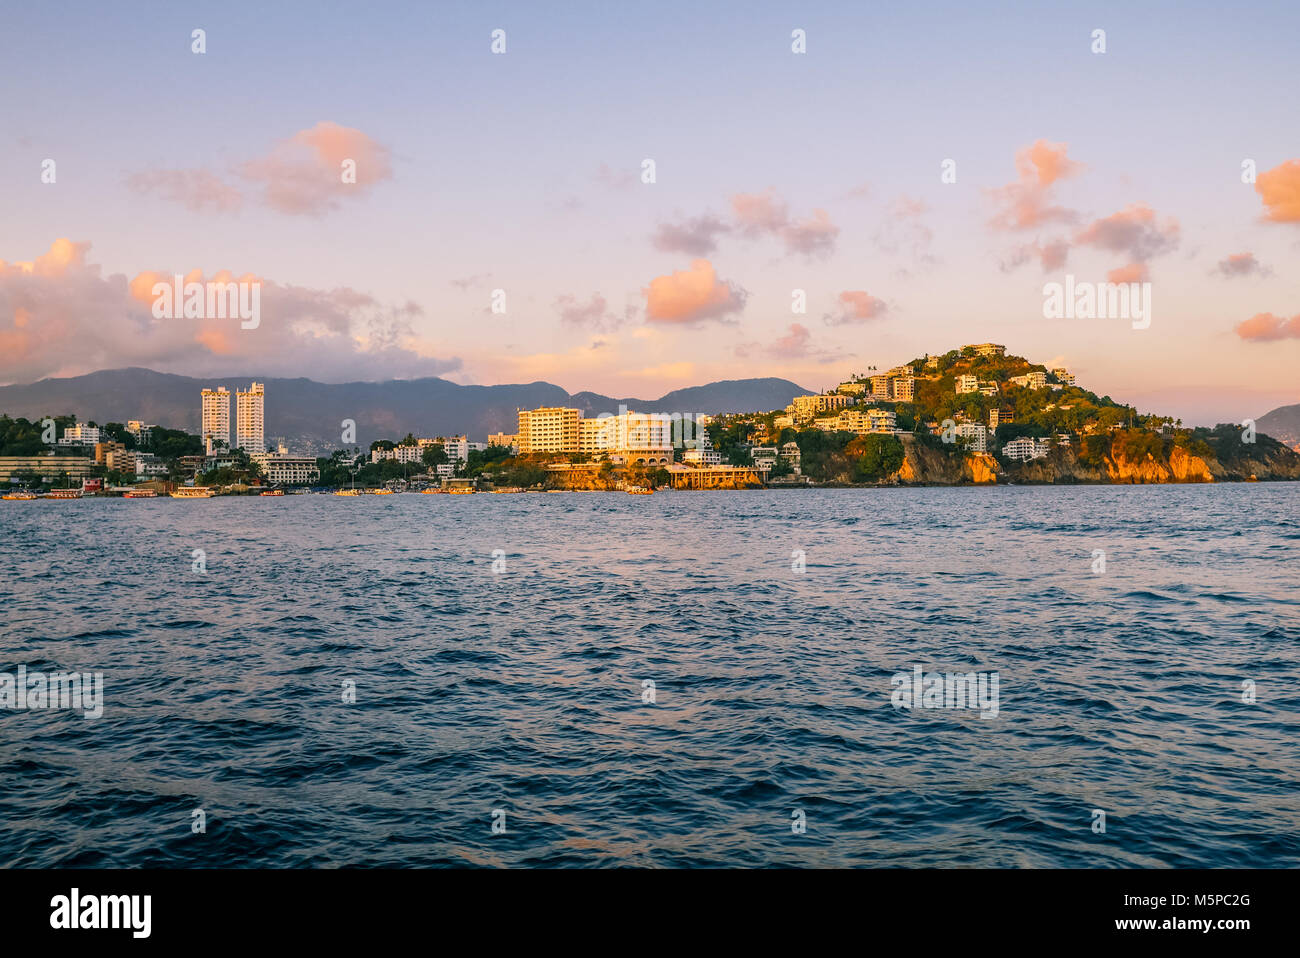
(631, 437)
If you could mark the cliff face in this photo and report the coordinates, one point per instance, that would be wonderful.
(980, 467)
(922, 464)
(1180, 465)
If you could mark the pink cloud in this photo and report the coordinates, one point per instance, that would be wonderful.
(1027, 203)
(1132, 273)
(60, 316)
(1046, 163)
(302, 175)
(797, 343)
(759, 213)
(1241, 264)
(594, 314)
(764, 214)
(1279, 190)
(794, 343)
(197, 190)
(692, 295)
(856, 306)
(1133, 231)
(696, 237)
(1265, 327)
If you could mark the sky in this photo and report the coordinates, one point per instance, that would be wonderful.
(502, 227)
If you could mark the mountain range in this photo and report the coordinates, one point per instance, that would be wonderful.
(1283, 424)
(304, 410)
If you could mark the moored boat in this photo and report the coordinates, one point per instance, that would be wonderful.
(194, 492)
(272, 492)
(140, 494)
(62, 494)
(20, 495)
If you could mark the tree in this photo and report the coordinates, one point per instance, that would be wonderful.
(881, 456)
(434, 455)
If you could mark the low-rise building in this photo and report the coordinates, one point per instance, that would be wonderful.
(148, 466)
(790, 453)
(404, 453)
(1063, 376)
(142, 431)
(904, 388)
(1037, 379)
(987, 349)
(80, 435)
(1026, 448)
(48, 466)
(974, 434)
(701, 452)
(285, 469)
(966, 384)
(806, 407)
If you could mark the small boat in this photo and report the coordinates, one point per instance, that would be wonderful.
(140, 494)
(639, 491)
(382, 492)
(349, 492)
(20, 495)
(272, 492)
(62, 494)
(194, 492)
(462, 491)
(431, 492)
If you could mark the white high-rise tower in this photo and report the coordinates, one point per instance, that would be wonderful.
(216, 417)
(250, 427)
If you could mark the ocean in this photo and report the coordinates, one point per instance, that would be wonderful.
(677, 680)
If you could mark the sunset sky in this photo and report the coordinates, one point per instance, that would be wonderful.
(775, 171)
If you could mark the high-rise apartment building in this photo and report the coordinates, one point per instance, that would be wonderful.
(644, 438)
(548, 429)
(250, 426)
(216, 416)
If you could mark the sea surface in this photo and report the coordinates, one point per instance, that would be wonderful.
(515, 695)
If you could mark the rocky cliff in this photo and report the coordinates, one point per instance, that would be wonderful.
(926, 465)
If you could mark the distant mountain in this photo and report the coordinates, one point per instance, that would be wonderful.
(301, 409)
(1283, 424)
